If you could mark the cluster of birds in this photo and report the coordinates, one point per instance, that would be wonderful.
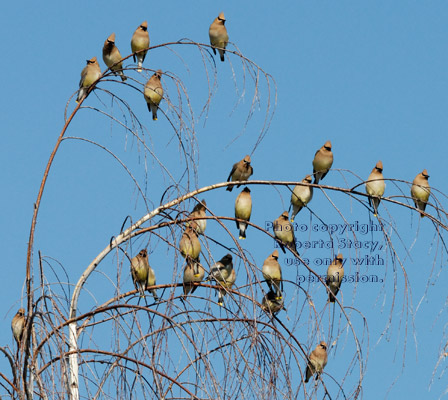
(153, 91)
(222, 272)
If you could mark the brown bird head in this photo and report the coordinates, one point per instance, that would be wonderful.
(339, 258)
(274, 255)
(144, 26)
(379, 166)
(285, 215)
(246, 160)
(21, 312)
(271, 295)
(227, 259)
(327, 145)
(425, 174)
(323, 345)
(111, 39)
(200, 206)
(221, 18)
(307, 179)
(143, 253)
(91, 61)
(190, 232)
(158, 74)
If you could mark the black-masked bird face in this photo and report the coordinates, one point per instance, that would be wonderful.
(143, 253)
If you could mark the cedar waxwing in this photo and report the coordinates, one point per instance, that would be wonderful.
(272, 272)
(317, 361)
(271, 304)
(112, 57)
(140, 41)
(218, 35)
(284, 232)
(420, 191)
(139, 271)
(190, 276)
(375, 186)
(89, 75)
(18, 325)
(151, 281)
(154, 93)
(241, 171)
(224, 274)
(301, 196)
(190, 247)
(323, 160)
(198, 225)
(335, 273)
(243, 209)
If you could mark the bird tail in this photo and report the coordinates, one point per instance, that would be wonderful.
(308, 374)
(221, 53)
(242, 230)
(375, 204)
(229, 188)
(188, 288)
(154, 112)
(122, 76)
(293, 245)
(282, 247)
(81, 94)
(220, 298)
(279, 294)
(332, 295)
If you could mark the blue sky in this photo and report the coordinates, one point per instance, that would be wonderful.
(370, 77)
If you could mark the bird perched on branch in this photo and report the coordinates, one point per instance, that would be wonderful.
(190, 248)
(317, 361)
(140, 43)
(420, 191)
(189, 244)
(224, 274)
(323, 160)
(375, 186)
(335, 273)
(18, 325)
(272, 304)
(154, 93)
(272, 272)
(301, 196)
(284, 232)
(243, 210)
(139, 271)
(218, 35)
(190, 277)
(198, 225)
(241, 171)
(89, 75)
(112, 57)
